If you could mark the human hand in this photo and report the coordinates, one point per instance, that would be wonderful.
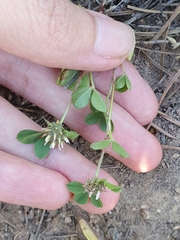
(55, 34)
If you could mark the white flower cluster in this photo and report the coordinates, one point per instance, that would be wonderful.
(55, 135)
(94, 187)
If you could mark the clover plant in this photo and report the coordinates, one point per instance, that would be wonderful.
(84, 93)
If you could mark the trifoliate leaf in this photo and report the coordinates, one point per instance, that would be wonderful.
(101, 144)
(81, 198)
(81, 97)
(120, 150)
(40, 149)
(122, 83)
(75, 187)
(71, 134)
(86, 229)
(113, 187)
(28, 136)
(97, 101)
(97, 203)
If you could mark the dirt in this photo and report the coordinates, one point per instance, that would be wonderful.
(149, 206)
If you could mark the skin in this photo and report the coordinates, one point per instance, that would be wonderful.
(29, 66)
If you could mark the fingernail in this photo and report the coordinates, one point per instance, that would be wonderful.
(114, 39)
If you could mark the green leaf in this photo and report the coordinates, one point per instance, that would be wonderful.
(71, 134)
(81, 198)
(93, 117)
(85, 81)
(75, 187)
(112, 126)
(81, 97)
(120, 82)
(101, 144)
(97, 203)
(112, 187)
(128, 83)
(122, 90)
(92, 108)
(72, 85)
(28, 136)
(79, 91)
(97, 101)
(67, 78)
(40, 149)
(97, 118)
(120, 150)
(103, 123)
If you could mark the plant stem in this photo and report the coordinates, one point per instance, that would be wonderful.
(109, 94)
(91, 80)
(65, 113)
(109, 130)
(99, 163)
(123, 69)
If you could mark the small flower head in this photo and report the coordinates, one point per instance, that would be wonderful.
(94, 187)
(55, 135)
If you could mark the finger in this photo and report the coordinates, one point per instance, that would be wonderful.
(144, 150)
(25, 183)
(140, 102)
(69, 163)
(61, 34)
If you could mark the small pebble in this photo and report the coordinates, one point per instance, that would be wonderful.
(175, 155)
(53, 212)
(67, 220)
(177, 198)
(176, 227)
(144, 206)
(178, 111)
(145, 214)
(175, 208)
(177, 190)
(63, 215)
(158, 210)
(131, 184)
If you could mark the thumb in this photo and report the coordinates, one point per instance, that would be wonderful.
(57, 33)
